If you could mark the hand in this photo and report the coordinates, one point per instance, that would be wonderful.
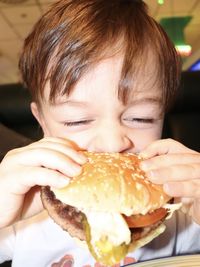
(50, 161)
(177, 167)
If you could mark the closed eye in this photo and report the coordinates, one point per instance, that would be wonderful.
(139, 123)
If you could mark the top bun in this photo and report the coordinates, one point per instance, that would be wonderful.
(112, 182)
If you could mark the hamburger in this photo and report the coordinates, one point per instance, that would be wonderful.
(111, 206)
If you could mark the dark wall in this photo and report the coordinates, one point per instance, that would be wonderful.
(183, 121)
(15, 111)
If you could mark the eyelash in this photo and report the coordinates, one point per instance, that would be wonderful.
(145, 120)
(141, 120)
(76, 123)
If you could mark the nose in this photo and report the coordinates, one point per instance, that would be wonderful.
(111, 138)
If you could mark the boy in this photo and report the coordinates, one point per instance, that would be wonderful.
(101, 74)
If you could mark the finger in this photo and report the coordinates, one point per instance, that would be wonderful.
(162, 147)
(37, 176)
(62, 147)
(168, 160)
(174, 173)
(186, 189)
(47, 158)
(61, 140)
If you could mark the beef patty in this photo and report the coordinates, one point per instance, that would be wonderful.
(71, 219)
(68, 217)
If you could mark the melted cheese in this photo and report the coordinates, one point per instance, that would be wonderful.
(172, 208)
(111, 226)
(107, 236)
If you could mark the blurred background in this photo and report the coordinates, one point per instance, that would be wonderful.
(180, 18)
(16, 20)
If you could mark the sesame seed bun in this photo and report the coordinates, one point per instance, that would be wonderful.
(110, 178)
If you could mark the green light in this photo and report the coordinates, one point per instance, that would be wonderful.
(160, 2)
(174, 27)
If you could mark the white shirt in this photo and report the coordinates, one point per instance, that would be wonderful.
(39, 242)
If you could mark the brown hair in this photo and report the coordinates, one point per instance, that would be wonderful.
(75, 34)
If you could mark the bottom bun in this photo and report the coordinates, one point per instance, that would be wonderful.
(148, 238)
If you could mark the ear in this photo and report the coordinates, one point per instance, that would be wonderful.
(37, 113)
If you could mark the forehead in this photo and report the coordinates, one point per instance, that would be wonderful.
(106, 74)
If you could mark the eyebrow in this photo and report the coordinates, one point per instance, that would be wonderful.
(72, 103)
(156, 100)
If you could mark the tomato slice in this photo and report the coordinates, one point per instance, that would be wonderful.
(150, 218)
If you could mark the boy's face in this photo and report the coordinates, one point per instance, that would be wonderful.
(94, 117)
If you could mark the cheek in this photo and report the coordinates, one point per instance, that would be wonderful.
(82, 139)
(51, 128)
(142, 138)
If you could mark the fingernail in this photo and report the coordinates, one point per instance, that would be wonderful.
(62, 182)
(82, 158)
(168, 189)
(172, 189)
(144, 166)
(152, 175)
(75, 170)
